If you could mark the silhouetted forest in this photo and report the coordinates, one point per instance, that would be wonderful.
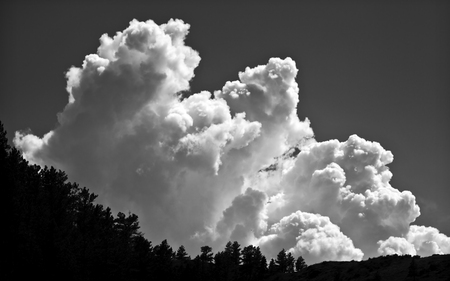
(54, 230)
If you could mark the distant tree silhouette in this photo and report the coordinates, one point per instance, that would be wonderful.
(141, 258)
(222, 264)
(162, 261)
(127, 227)
(206, 258)
(254, 264)
(249, 261)
(126, 230)
(206, 255)
(300, 264)
(290, 260)
(273, 268)
(181, 254)
(236, 253)
(183, 266)
(282, 261)
(262, 270)
(229, 261)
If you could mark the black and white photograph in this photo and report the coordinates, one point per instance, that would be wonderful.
(225, 140)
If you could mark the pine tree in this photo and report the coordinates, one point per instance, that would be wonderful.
(262, 269)
(181, 254)
(221, 266)
(282, 261)
(162, 261)
(250, 262)
(141, 257)
(290, 263)
(236, 253)
(300, 264)
(206, 254)
(273, 268)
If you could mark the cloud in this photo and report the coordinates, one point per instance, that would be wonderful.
(348, 182)
(236, 164)
(428, 240)
(312, 236)
(396, 245)
(425, 241)
(244, 217)
(127, 135)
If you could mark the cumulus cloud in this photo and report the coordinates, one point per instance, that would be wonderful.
(428, 240)
(312, 236)
(127, 135)
(348, 182)
(396, 246)
(236, 164)
(244, 217)
(421, 240)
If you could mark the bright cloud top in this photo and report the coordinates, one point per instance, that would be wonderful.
(236, 164)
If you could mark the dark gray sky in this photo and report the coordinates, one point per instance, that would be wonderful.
(372, 68)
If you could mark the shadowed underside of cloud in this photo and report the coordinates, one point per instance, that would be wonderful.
(220, 166)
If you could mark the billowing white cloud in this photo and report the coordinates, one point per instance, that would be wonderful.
(236, 164)
(245, 218)
(349, 183)
(428, 240)
(312, 236)
(396, 245)
(421, 240)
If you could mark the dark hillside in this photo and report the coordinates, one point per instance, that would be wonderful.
(436, 267)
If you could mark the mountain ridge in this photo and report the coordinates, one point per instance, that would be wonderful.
(393, 267)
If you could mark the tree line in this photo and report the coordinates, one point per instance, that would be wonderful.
(54, 230)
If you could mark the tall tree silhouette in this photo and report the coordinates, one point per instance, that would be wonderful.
(254, 264)
(290, 260)
(300, 264)
(232, 254)
(206, 255)
(273, 268)
(206, 258)
(222, 264)
(282, 261)
(162, 261)
(181, 254)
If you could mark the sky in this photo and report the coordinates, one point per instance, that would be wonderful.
(360, 87)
